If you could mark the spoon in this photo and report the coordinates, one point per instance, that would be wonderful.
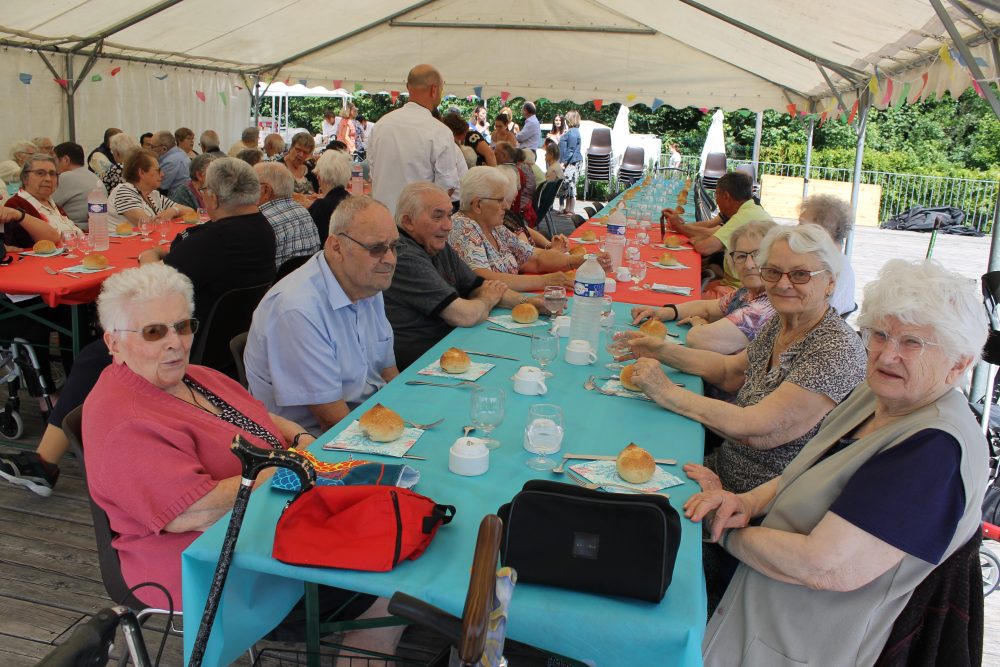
(52, 272)
(467, 430)
(423, 427)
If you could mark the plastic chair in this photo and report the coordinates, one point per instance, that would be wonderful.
(237, 345)
(590, 211)
(545, 195)
(599, 166)
(290, 265)
(486, 601)
(715, 168)
(633, 164)
(230, 315)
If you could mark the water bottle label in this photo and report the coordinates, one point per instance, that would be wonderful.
(616, 229)
(588, 289)
(97, 208)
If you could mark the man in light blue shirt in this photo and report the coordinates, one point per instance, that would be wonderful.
(530, 136)
(320, 343)
(174, 163)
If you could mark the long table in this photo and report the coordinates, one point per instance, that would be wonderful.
(606, 630)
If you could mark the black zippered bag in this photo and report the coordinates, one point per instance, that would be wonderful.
(588, 540)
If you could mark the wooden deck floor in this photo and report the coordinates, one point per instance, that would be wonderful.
(49, 578)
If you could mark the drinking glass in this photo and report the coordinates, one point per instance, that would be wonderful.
(555, 299)
(637, 270)
(162, 230)
(203, 215)
(145, 227)
(543, 435)
(70, 239)
(486, 411)
(614, 343)
(84, 245)
(544, 348)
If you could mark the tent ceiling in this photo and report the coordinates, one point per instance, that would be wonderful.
(728, 53)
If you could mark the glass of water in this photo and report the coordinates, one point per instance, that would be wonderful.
(543, 435)
(555, 299)
(637, 271)
(487, 411)
(145, 227)
(70, 238)
(544, 348)
(163, 230)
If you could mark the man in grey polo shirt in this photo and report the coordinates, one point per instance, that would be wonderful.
(320, 343)
(75, 182)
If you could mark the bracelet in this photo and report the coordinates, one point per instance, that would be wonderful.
(298, 436)
(21, 219)
(674, 308)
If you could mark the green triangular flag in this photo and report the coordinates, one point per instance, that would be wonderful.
(358, 87)
(225, 97)
(904, 95)
(96, 77)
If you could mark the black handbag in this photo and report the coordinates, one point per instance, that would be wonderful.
(588, 540)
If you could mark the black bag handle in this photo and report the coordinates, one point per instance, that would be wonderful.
(440, 514)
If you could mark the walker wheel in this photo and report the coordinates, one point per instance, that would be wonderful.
(11, 425)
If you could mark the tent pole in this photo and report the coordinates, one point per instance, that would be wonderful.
(859, 152)
(70, 93)
(255, 96)
(809, 157)
(758, 129)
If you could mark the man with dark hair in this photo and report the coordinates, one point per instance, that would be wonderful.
(146, 141)
(530, 135)
(734, 198)
(75, 182)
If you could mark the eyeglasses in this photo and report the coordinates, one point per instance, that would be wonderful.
(796, 277)
(908, 346)
(205, 189)
(41, 173)
(739, 257)
(155, 332)
(376, 250)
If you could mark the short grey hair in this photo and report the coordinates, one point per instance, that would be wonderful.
(481, 182)
(333, 168)
(145, 283)
(274, 140)
(829, 212)
(251, 133)
(166, 138)
(29, 163)
(199, 163)
(757, 229)
(250, 155)
(278, 177)
(22, 146)
(348, 210)
(412, 200)
(123, 145)
(924, 293)
(804, 239)
(209, 140)
(304, 139)
(233, 181)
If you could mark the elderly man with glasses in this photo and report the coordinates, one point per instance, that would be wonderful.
(174, 162)
(320, 343)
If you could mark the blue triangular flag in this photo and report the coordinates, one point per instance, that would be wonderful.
(657, 103)
(478, 90)
(161, 77)
(302, 81)
(25, 78)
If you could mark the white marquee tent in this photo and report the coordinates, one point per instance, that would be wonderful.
(195, 62)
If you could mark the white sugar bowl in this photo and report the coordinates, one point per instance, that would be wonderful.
(469, 457)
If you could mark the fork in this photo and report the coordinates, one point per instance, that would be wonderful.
(52, 272)
(591, 385)
(457, 385)
(594, 485)
(423, 427)
(619, 378)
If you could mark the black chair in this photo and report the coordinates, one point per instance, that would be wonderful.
(230, 315)
(290, 265)
(545, 195)
(237, 345)
(715, 168)
(590, 211)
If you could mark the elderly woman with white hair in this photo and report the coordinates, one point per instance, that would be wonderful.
(10, 170)
(164, 426)
(490, 249)
(834, 215)
(333, 170)
(123, 146)
(890, 486)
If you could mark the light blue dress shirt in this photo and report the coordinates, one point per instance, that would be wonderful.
(176, 167)
(530, 135)
(309, 345)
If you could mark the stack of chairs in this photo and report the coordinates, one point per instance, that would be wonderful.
(632, 166)
(715, 168)
(599, 156)
(748, 170)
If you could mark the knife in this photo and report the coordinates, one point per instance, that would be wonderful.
(598, 457)
(663, 227)
(490, 354)
(330, 447)
(440, 384)
(516, 333)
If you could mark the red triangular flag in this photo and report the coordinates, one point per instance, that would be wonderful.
(854, 112)
(287, 79)
(598, 104)
(888, 92)
(339, 83)
(200, 95)
(922, 86)
(504, 94)
(115, 70)
(979, 91)
(703, 109)
(393, 95)
(792, 111)
(822, 118)
(65, 82)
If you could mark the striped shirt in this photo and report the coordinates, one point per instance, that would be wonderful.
(126, 197)
(295, 232)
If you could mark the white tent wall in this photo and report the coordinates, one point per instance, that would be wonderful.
(133, 99)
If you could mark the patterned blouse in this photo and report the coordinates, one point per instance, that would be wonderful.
(829, 360)
(469, 241)
(747, 313)
(233, 416)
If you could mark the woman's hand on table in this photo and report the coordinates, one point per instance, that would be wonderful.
(604, 259)
(558, 279)
(705, 477)
(640, 345)
(642, 313)
(721, 510)
(559, 243)
(649, 376)
(694, 321)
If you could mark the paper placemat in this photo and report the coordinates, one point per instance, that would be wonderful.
(617, 387)
(54, 253)
(671, 247)
(80, 268)
(116, 235)
(605, 472)
(507, 322)
(672, 267)
(476, 370)
(592, 241)
(351, 439)
(671, 289)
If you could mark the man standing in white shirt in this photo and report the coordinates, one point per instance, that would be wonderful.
(410, 145)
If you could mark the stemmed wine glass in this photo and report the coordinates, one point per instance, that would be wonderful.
(487, 411)
(555, 299)
(615, 344)
(543, 435)
(637, 271)
(145, 227)
(162, 230)
(70, 239)
(84, 245)
(544, 348)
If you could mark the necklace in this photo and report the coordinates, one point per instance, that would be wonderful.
(194, 399)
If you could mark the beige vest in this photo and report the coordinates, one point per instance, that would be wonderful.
(767, 623)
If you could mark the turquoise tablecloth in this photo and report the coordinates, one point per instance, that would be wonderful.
(605, 630)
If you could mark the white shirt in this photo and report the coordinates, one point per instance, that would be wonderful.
(409, 145)
(50, 212)
(330, 130)
(843, 292)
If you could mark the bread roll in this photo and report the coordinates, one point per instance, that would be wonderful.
(381, 424)
(626, 378)
(635, 464)
(455, 360)
(673, 240)
(666, 259)
(44, 247)
(589, 235)
(577, 250)
(654, 328)
(680, 209)
(124, 228)
(523, 313)
(192, 216)
(95, 261)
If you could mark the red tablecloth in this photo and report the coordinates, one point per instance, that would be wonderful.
(26, 275)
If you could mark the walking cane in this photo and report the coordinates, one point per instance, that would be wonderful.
(254, 460)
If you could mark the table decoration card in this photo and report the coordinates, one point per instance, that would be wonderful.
(122, 236)
(671, 289)
(670, 267)
(351, 439)
(615, 385)
(605, 472)
(476, 370)
(54, 253)
(507, 322)
(80, 268)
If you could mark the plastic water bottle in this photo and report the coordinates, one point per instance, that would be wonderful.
(357, 180)
(97, 218)
(614, 241)
(588, 303)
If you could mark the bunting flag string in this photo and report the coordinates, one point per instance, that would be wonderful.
(224, 96)
(115, 70)
(873, 85)
(96, 78)
(792, 111)
(504, 95)
(200, 95)
(854, 112)
(393, 96)
(62, 82)
(888, 92)
(25, 78)
(304, 82)
(630, 98)
(657, 103)
(358, 88)
(945, 54)
(338, 83)
(598, 104)
(160, 77)
(924, 78)
(478, 90)
(904, 94)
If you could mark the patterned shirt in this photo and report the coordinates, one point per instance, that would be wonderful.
(113, 176)
(829, 360)
(747, 313)
(469, 241)
(294, 230)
